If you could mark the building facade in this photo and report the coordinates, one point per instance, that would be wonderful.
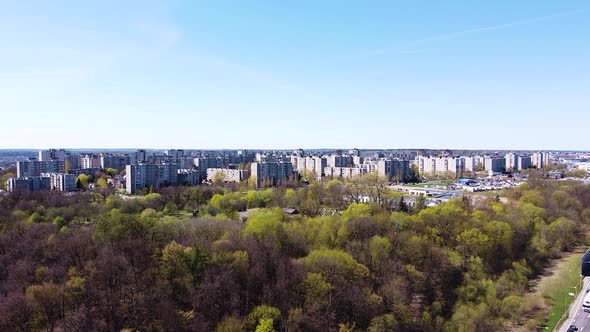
(61, 181)
(26, 184)
(227, 175)
(34, 167)
(395, 169)
(540, 159)
(118, 162)
(524, 162)
(271, 172)
(340, 161)
(511, 161)
(494, 165)
(440, 166)
(140, 176)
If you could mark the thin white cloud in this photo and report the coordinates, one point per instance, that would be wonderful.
(418, 45)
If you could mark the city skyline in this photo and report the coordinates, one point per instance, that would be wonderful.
(264, 75)
(314, 150)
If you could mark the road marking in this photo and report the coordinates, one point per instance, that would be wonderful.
(580, 300)
(582, 295)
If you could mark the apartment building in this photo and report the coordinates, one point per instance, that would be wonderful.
(90, 161)
(340, 161)
(168, 174)
(432, 166)
(116, 161)
(188, 177)
(494, 165)
(46, 155)
(25, 184)
(34, 167)
(227, 175)
(306, 165)
(61, 181)
(393, 169)
(272, 172)
(348, 172)
(18, 184)
(511, 161)
(524, 162)
(156, 175)
(142, 175)
(540, 159)
(204, 163)
(72, 161)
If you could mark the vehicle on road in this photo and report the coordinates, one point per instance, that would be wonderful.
(585, 266)
(572, 328)
(586, 303)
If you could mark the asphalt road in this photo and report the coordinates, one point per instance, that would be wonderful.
(577, 316)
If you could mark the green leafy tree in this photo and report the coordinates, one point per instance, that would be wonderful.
(477, 287)
(316, 289)
(325, 232)
(264, 223)
(82, 181)
(217, 202)
(331, 263)
(473, 242)
(59, 222)
(75, 289)
(218, 178)
(562, 233)
(102, 183)
(265, 325)
(46, 300)
(36, 218)
(229, 324)
(148, 213)
(356, 211)
(380, 248)
(183, 266)
(290, 197)
(117, 225)
(170, 208)
(67, 166)
(382, 323)
(259, 313)
(512, 307)
(420, 203)
(254, 199)
(513, 281)
(470, 318)
(533, 197)
(501, 236)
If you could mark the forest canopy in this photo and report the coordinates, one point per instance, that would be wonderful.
(191, 259)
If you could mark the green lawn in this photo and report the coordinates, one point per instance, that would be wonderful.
(431, 183)
(556, 288)
(418, 185)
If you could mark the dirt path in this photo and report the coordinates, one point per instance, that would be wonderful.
(535, 301)
(549, 273)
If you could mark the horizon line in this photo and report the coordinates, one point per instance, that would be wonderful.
(285, 149)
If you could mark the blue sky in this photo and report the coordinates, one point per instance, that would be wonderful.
(288, 74)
